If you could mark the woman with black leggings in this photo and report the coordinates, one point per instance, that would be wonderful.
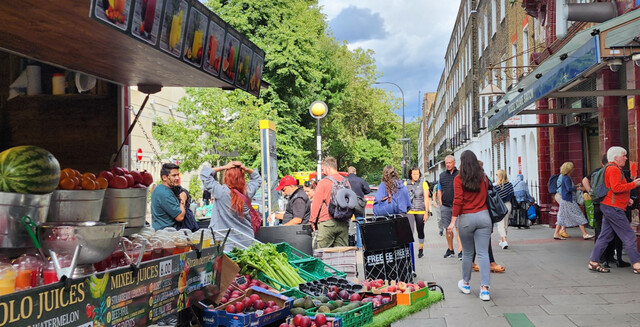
(418, 214)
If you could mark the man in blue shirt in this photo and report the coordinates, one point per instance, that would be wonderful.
(167, 209)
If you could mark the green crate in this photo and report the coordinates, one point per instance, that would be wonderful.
(295, 293)
(272, 282)
(292, 253)
(357, 317)
(317, 269)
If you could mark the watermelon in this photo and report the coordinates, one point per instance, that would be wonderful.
(28, 169)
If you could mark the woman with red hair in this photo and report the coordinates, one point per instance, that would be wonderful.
(229, 209)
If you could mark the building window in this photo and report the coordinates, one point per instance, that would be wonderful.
(480, 41)
(494, 19)
(503, 73)
(503, 4)
(486, 31)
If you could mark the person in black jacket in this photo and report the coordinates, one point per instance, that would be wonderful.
(297, 210)
(361, 188)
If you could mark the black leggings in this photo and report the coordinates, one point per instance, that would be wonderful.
(419, 221)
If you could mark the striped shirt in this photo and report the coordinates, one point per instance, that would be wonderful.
(505, 191)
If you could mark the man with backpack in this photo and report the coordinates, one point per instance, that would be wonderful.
(613, 204)
(330, 216)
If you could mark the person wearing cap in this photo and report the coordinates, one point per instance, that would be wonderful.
(297, 209)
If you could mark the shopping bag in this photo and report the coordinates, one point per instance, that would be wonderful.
(588, 207)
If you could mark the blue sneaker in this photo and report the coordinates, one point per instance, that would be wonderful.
(484, 295)
(464, 288)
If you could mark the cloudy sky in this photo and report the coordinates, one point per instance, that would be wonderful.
(409, 39)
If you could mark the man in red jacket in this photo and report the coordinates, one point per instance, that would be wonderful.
(613, 210)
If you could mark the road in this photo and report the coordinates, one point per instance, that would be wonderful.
(547, 280)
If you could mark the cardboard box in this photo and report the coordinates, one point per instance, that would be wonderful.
(383, 307)
(411, 298)
(220, 317)
(224, 271)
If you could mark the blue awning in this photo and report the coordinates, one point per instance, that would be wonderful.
(579, 57)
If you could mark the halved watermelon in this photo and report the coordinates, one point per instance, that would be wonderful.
(28, 169)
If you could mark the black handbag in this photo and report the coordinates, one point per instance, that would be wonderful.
(497, 209)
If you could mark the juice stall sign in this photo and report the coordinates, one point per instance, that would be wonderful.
(119, 297)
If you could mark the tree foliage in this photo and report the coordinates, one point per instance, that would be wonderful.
(303, 63)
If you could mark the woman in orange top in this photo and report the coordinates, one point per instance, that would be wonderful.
(613, 208)
(469, 205)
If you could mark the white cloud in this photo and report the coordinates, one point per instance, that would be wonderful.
(412, 54)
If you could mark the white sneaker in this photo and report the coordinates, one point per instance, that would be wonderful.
(466, 289)
(504, 245)
(484, 295)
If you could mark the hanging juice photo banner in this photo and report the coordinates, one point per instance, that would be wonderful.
(230, 57)
(244, 62)
(145, 23)
(112, 12)
(256, 74)
(173, 25)
(215, 42)
(195, 37)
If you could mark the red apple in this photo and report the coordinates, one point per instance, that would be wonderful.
(421, 284)
(354, 297)
(320, 319)
(258, 304)
(297, 319)
(231, 308)
(118, 182)
(147, 179)
(136, 176)
(117, 171)
(254, 297)
(130, 180)
(239, 307)
(106, 174)
(305, 321)
(267, 311)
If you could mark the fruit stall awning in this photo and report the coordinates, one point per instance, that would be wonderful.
(134, 42)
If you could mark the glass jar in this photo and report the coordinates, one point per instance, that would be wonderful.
(49, 274)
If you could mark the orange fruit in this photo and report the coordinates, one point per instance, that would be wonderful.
(102, 183)
(90, 176)
(88, 184)
(64, 174)
(69, 171)
(67, 183)
(77, 172)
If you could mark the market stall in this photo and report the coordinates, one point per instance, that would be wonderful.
(72, 212)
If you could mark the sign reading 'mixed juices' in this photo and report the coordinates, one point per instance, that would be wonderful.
(120, 297)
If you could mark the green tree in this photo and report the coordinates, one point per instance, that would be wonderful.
(303, 63)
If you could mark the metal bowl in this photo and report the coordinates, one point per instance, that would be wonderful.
(14, 239)
(75, 205)
(125, 205)
(98, 239)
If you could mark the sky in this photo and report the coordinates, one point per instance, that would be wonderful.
(409, 39)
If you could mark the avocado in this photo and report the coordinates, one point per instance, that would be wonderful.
(308, 303)
(338, 303)
(295, 311)
(323, 299)
(298, 303)
(324, 309)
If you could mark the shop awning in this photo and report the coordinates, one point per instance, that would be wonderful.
(576, 60)
(79, 36)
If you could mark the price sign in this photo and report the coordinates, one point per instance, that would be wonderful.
(164, 268)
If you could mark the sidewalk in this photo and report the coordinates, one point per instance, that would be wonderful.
(547, 280)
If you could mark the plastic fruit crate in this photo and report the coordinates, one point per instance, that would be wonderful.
(272, 282)
(317, 268)
(292, 253)
(357, 317)
(295, 293)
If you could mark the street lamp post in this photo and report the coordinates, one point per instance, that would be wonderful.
(404, 152)
(318, 110)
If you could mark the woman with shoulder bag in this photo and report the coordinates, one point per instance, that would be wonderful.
(569, 212)
(232, 206)
(474, 225)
